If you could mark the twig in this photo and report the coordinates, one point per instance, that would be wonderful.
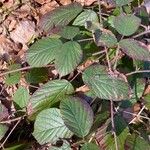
(113, 124)
(98, 53)
(12, 120)
(2, 145)
(136, 115)
(116, 58)
(140, 34)
(138, 71)
(83, 40)
(100, 13)
(75, 76)
(108, 61)
(22, 69)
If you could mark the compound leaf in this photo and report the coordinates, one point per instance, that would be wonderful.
(135, 49)
(49, 94)
(49, 126)
(68, 57)
(86, 15)
(77, 115)
(126, 24)
(69, 32)
(61, 16)
(104, 85)
(43, 52)
(21, 97)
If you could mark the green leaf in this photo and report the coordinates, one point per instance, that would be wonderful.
(135, 49)
(147, 101)
(61, 16)
(49, 94)
(104, 85)
(37, 75)
(77, 115)
(138, 87)
(3, 130)
(126, 24)
(90, 146)
(65, 146)
(85, 16)
(49, 127)
(13, 78)
(69, 32)
(135, 142)
(104, 38)
(68, 57)
(43, 52)
(122, 2)
(21, 97)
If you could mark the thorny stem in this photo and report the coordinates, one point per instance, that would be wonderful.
(138, 71)
(22, 69)
(2, 145)
(140, 34)
(113, 124)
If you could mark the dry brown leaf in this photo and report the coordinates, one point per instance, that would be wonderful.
(86, 64)
(24, 32)
(65, 2)
(86, 2)
(5, 45)
(4, 112)
(48, 7)
(83, 89)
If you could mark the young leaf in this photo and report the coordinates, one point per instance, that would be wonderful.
(126, 24)
(135, 49)
(104, 38)
(77, 115)
(49, 127)
(21, 97)
(122, 2)
(37, 75)
(43, 51)
(3, 130)
(90, 146)
(69, 32)
(13, 78)
(68, 57)
(61, 16)
(105, 86)
(86, 15)
(49, 94)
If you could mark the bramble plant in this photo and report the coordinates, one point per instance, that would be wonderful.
(97, 98)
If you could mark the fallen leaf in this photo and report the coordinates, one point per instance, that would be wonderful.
(24, 32)
(86, 2)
